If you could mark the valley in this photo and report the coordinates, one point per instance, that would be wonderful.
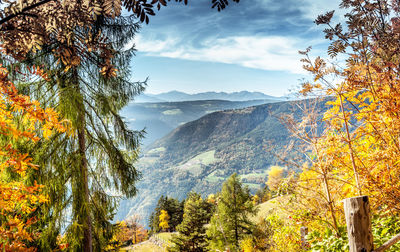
(160, 118)
(201, 154)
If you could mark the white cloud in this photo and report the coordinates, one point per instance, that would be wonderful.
(312, 9)
(274, 53)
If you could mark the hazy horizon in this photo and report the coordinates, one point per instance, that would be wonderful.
(209, 91)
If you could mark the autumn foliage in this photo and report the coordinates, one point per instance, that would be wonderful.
(22, 121)
(363, 121)
(358, 151)
(130, 231)
(164, 219)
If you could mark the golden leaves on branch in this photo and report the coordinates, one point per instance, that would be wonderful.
(21, 121)
(108, 71)
(112, 8)
(367, 99)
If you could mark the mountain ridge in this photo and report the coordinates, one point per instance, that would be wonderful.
(174, 96)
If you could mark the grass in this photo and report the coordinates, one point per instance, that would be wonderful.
(251, 177)
(166, 236)
(273, 206)
(214, 179)
(197, 163)
(205, 158)
(254, 175)
(145, 247)
(148, 246)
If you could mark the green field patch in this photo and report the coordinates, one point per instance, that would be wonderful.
(206, 158)
(198, 163)
(172, 112)
(214, 177)
(165, 236)
(254, 175)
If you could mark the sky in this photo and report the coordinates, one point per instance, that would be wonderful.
(252, 45)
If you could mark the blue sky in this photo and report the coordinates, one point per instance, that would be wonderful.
(250, 46)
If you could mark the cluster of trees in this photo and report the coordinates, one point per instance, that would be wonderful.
(222, 221)
(167, 215)
(64, 77)
(192, 231)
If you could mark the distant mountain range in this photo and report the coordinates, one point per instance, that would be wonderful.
(161, 118)
(174, 96)
(201, 154)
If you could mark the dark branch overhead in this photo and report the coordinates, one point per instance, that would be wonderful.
(23, 11)
(141, 8)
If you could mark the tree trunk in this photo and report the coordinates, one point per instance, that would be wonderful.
(87, 240)
(235, 216)
(87, 222)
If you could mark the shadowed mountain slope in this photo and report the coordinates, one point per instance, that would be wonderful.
(162, 117)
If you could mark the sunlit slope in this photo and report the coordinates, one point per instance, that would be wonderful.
(201, 154)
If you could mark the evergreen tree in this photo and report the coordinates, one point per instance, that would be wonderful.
(174, 209)
(154, 220)
(192, 230)
(81, 171)
(230, 223)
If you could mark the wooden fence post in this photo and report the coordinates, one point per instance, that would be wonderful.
(357, 212)
(303, 233)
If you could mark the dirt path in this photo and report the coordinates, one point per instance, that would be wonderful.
(146, 246)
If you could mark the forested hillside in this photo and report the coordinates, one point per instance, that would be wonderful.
(161, 118)
(201, 154)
